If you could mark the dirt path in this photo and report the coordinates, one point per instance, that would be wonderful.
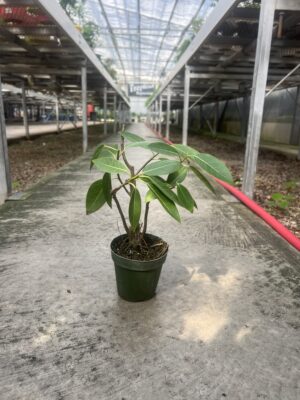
(275, 174)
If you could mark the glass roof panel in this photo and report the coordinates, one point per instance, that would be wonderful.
(143, 37)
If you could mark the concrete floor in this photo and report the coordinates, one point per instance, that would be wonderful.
(224, 323)
(17, 131)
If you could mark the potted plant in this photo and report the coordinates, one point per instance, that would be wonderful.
(138, 256)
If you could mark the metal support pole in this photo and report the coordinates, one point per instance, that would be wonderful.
(84, 109)
(25, 113)
(168, 114)
(160, 114)
(264, 39)
(185, 122)
(105, 110)
(115, 114)
(5, 179)
(295, 132)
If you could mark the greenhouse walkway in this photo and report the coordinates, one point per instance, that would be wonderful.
(224, 324)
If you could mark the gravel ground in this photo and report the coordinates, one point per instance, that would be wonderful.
(275, 174)
(30, 160)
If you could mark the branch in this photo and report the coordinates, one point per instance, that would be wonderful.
(123, 185)
(121, 213)
(146, 163)
(146, 218)
(129, 166)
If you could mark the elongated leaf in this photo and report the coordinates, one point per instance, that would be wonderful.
(203, 179)
(162, 185)
(131, 137)
(185, 151)
(96, 154)
(167, 204)
(142, 144)
(150, 196)
(185, 198)
(107, 188)
(107, 164)
(162, 167)
(104, 150)
(95, 198)
(135, 208)
(178, 176)
(213, 166)
(163, 148)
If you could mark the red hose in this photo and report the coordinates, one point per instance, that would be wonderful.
(271, 221)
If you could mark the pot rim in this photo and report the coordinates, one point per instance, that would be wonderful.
(139, 261)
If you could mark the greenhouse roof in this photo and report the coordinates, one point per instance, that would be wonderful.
(41, 48)
(142, 37)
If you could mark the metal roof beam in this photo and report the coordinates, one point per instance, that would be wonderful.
(212, 22)
(54, 10)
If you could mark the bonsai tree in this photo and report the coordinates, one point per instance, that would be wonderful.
(163, 174)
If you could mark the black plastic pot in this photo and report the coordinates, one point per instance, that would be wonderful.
(136, 280)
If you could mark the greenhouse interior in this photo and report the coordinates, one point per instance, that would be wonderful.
(149, 199)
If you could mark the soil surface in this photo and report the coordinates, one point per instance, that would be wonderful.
(276, 173)
(30, 160)
(150, 248)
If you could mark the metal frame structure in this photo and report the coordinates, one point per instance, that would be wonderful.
(41, 50)
(239, 51)
(142, 36)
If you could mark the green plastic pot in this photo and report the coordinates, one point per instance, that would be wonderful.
(136, 280)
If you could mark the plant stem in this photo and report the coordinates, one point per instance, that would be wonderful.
(121, 213)
(146, 163)
(123, 184)
(146, 218)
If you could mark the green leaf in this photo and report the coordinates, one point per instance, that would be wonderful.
(178, 176)
(107, 164)
(167, 204)
(135, 208)
(150, 196)
(96, 154)
(213, 166)
(131, 137)
(142, 144)
(95, 198)
(162, 167)
(163, 148)
(203, 179)
(185, 198)
(185, 151)
(104, 150)
(162, 185)
(107, 188)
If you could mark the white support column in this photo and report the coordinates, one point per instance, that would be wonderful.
(84, 109)
(160, 114)
(25, 113)
(185, 122)
(5, 179)
(168, 114)
(105, 110)
(264, 39)
(115, 114)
